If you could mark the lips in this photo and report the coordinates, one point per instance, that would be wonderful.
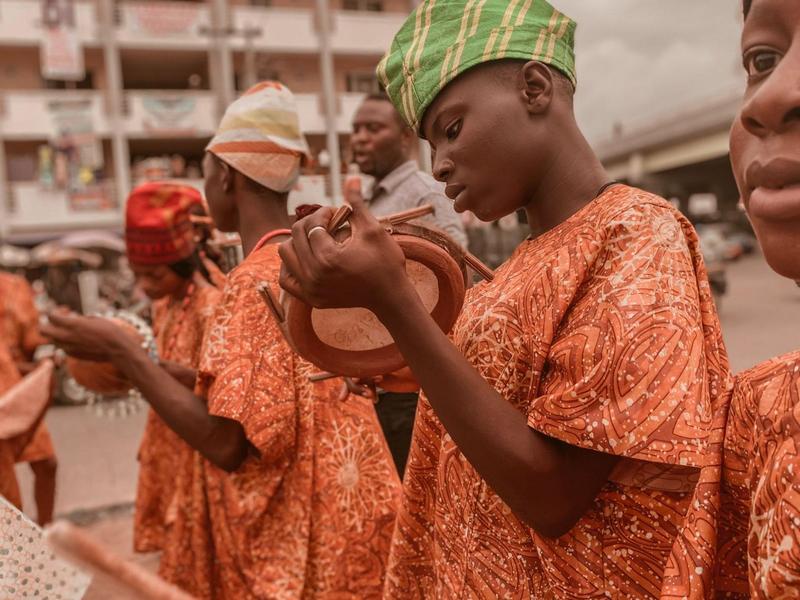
(774, 189)
(457, 193)
(453, 190)
(361, 156)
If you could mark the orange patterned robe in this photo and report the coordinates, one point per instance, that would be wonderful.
(602, 331)
(9, 376)
(178, 326)
(310, 513)
(19, 328)
(759, 553)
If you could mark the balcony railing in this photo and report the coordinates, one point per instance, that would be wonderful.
(181, 25)
(21, 22)
(170, 114)
(42, 114)
(37, 208)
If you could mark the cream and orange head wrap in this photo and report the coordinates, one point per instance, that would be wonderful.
(260, 137)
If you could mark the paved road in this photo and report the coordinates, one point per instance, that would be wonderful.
(760, 316)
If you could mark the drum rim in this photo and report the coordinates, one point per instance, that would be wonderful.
(420, 244)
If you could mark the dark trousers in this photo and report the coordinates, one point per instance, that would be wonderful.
(396, 415)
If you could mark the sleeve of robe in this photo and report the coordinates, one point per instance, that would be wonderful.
(247, 370)
(633, 367)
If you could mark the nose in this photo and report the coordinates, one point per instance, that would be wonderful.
(442, 167)
(775, 106)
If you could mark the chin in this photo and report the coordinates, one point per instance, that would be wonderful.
(781, 247)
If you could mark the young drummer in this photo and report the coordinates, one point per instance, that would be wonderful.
(566, 418)
(293, 493)
(160, 247)
(759, 553)
(19, 329)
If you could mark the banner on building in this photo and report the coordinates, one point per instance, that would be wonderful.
(61, 52)
(77, 156)
(97, 197)
(169, 115)
(163, 18)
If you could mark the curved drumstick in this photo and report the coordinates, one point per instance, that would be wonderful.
(480, 268)
(79, 547)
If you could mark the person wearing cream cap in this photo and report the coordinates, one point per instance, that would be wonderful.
(293, 493)
(566, 421)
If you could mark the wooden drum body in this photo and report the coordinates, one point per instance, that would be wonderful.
(352, 341)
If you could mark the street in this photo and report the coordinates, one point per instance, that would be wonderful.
(97, 454)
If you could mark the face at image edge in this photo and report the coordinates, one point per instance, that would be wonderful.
(765, 138)
(493, 131)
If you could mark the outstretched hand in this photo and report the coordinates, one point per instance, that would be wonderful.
(367, 269)
(88, 338)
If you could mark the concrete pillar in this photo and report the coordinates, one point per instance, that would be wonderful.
(329, 98)
(220, 31)
(119, 142)
(5, 226)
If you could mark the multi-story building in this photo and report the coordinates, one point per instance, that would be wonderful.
(157, 76)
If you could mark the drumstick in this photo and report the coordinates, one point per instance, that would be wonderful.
(79, 547)
(271, 301)
(408, 215)
(339, 217)
(480, 268)
(322, 376)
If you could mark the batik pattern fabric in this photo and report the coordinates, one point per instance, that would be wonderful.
(760, 527)
(310, 512)
(603, 332)
(178, 326)
(9, 376)
(19, 320)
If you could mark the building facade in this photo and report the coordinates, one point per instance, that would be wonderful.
(156, 77)
(682, 156)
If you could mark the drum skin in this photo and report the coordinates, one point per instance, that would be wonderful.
(352, 342)
(102, 377)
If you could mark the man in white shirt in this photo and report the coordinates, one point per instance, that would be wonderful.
(382, 145)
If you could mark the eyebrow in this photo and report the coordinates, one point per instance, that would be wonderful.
(453, 106)
(763, 14)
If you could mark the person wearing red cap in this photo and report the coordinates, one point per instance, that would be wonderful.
(159, 239)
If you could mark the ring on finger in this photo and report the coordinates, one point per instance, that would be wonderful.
(316, 228)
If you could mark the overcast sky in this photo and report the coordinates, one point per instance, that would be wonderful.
(638, 59)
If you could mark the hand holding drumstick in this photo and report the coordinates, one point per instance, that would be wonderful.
(364, 270)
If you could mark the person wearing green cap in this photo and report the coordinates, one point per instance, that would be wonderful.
(567, 419)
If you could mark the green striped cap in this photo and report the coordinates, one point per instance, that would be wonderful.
(443, 38)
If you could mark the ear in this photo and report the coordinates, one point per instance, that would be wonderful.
(537, 86)
(227, 176)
